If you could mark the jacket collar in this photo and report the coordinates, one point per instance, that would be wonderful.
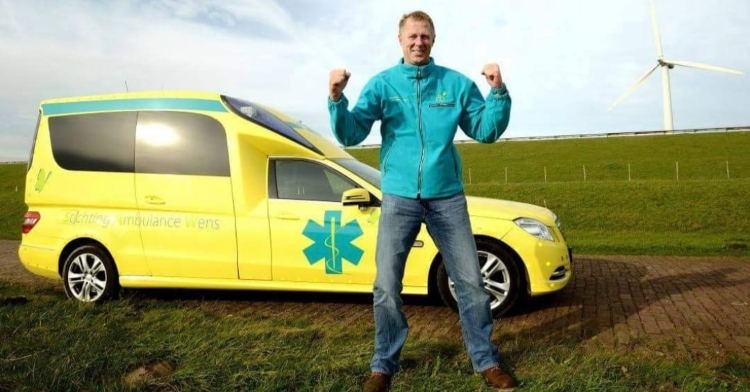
(411, 70)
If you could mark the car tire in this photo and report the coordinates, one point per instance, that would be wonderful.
(89, 275)
(502, 278)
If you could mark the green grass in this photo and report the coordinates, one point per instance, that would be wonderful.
(12, 208)
(702, 213)
(50, 343)
(654, 217)
(699, 157)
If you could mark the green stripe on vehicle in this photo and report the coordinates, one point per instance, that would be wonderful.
(51, 109)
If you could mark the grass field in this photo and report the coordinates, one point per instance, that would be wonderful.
(12, 207)
(213, 345)
(697, 156)
(701, 213)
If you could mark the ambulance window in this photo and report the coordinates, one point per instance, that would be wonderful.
(304, 180)
(180, 143)
(263, 117)
(102, 142)
(33, 142)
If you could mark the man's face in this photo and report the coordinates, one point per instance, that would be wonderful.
(416, 38)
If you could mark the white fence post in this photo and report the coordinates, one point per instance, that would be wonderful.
(628, 171)
(585, 173)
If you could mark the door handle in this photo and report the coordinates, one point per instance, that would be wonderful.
(287, 216)
(154, 200)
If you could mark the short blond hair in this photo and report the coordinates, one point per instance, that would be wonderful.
(419, 16)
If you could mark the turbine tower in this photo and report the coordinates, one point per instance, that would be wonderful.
(666, 65)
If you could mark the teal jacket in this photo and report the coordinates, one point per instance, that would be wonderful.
(420, 109)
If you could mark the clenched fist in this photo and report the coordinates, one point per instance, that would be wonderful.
(337, 83)
(492, 73)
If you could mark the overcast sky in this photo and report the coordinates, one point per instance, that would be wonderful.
(564, 62)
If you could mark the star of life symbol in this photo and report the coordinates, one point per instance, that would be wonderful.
(332, 242)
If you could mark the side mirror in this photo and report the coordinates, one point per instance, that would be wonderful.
(356, 196)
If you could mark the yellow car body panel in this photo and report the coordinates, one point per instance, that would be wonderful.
(192, 200)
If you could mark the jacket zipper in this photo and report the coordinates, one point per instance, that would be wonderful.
(421, 132)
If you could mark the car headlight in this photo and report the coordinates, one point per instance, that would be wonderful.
(535, 228)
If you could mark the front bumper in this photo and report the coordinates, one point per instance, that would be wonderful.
(551, 276)
(547, 263)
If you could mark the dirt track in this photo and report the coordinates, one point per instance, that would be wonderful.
(702, 305)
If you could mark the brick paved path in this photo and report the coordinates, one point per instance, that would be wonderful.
(702, 305)
(698, 305)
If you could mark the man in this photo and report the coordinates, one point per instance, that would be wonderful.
(420, 106)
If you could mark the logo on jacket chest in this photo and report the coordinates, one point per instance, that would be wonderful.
(442, 100)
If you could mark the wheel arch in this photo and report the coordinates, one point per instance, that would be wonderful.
(77, 243)
(432, 288)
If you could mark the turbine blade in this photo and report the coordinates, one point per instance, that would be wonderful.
(633, 87)
(706, 67)
(655, 27)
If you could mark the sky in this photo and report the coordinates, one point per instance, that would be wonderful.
(564, 62)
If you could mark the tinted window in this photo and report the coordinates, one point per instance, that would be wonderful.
(367, 172)
(33, 142)
(260, 116)
(181, 143)
(94, 142)
(303, 180)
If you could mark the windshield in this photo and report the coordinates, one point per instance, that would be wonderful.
(366, 172)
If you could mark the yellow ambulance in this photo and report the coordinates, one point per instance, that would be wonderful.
(200, 190)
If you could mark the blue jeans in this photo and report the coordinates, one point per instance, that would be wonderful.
(448, 224)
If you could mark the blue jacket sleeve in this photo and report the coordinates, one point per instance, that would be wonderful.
(352, 127)
(485, 120)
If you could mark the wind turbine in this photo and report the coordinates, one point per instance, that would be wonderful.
(666, 65)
